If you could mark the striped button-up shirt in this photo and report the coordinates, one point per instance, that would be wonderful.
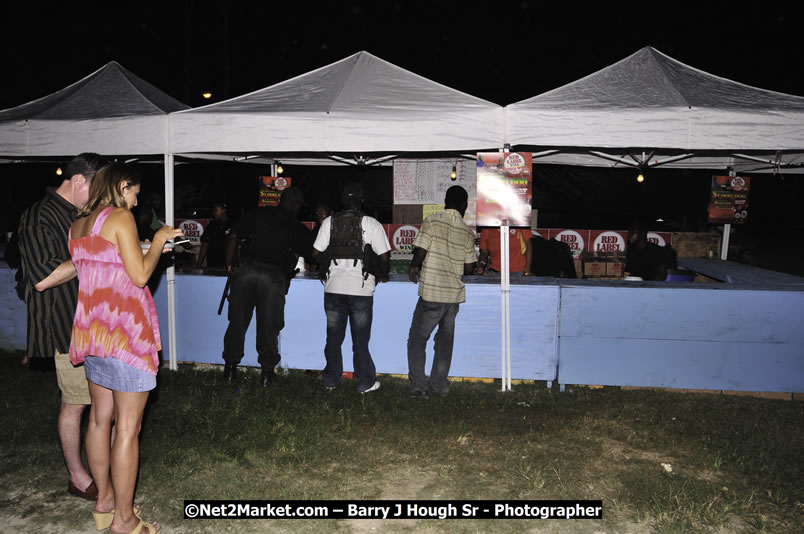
(43, 246)
(449, 244)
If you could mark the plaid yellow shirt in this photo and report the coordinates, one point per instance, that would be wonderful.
(449, 244)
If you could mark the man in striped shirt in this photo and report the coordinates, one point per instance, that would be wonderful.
(43, 231)
(443, 251)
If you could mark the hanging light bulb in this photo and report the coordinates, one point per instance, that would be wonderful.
(641, 177)
(58, 171)
(454, 174)
(279, 168)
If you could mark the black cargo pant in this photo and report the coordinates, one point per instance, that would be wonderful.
(260, 286)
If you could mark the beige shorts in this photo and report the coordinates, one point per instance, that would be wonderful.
(72, 381)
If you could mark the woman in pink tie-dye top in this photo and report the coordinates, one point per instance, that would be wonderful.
(116, 335)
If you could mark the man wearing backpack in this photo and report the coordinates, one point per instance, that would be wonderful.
(350, 277)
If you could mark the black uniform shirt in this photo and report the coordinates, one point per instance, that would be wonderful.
(649, 262)
(275, 237)
(214, 236)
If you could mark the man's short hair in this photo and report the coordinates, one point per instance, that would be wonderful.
(456, 196)
(86, 163)
(292, 198)
(638, 228)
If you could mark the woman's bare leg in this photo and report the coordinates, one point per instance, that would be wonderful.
(129, 408)
(101, 414)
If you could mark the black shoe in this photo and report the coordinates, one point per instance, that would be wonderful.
(268, 377)
(230, 372)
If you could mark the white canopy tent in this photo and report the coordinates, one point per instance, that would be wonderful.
(359, 110)
(360, 104)
(111, 112)
(649, 109)
(645, 110)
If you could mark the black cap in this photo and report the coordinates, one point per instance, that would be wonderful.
(352, 193)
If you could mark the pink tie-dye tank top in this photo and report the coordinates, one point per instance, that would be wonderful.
(114, 318)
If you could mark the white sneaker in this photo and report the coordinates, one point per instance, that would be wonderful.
(375, 387)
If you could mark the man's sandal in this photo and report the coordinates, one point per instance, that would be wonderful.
(103, 520)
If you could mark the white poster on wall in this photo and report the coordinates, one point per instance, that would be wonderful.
(425, 181)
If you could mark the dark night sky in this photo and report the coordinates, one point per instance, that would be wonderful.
(504, 54)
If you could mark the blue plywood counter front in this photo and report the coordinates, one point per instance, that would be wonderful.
(736, 336)
(698, 336)
(477, 353)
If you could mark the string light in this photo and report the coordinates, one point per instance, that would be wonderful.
(641, 177)
(279, 168)
(454, 174)
(207, 95)
(58, 171)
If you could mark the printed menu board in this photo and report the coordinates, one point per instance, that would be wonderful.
(425, 181)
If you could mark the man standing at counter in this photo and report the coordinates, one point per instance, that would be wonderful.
(276, 240)
(444, 251)
(349, 286)
(51, 294)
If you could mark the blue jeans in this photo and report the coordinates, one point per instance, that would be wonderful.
(358, 311)
(263, 288)
(426, 317)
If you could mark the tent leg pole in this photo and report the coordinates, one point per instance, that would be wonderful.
(171, 270)
(505, 290)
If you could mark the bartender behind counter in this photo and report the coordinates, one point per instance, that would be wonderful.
(519, 251)
(213, 240)
(647, 260)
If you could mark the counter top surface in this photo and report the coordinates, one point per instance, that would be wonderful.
(783, 281)
(733, 272)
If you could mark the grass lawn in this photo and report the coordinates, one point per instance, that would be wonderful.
(659, 461)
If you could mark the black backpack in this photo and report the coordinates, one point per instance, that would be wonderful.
(346, 242)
